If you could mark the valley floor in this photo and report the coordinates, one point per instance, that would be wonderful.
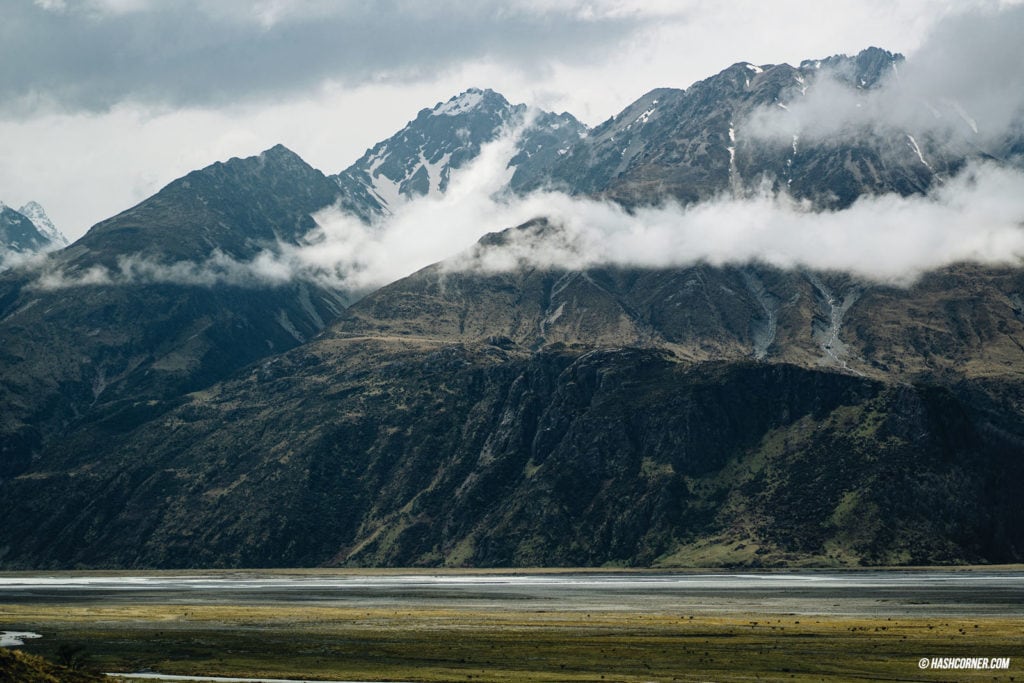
(469, 626)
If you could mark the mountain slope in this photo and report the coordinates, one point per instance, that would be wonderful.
(694, 415)
(238, 208)
(101, 326)
(561, 418)
(404, 452)
(964, 320)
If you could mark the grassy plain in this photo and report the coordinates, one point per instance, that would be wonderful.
(467, 644)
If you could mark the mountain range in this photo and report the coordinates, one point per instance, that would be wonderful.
(169, 401)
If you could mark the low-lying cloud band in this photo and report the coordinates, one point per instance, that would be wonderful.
(977, 216)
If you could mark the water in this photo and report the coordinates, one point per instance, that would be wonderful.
(867, 593)
(16, 638)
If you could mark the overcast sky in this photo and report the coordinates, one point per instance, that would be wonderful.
(102, 102)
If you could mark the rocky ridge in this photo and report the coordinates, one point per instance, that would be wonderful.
(695, 415)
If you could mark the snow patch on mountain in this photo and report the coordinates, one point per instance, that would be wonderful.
(646, 115)
(917, 150)
(387, 191)
(26, 235)
(460, 104)
(965, 117)
(419, 159)
(437, 172)
(35, 213)
(376, 160)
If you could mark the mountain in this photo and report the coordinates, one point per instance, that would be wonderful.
(239, 208)
(157, 301)
(562, 418)
(692, 145)
(961, 321)
(688, 145)
(35, 213)
(20, 234)
(160, 412)
(418, 160)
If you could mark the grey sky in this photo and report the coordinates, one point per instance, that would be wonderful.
(92, 55)
(102, 102)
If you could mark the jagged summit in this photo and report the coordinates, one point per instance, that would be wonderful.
(419, 159)
(27, 230)
(866, 69)
(690, 145)
(469, 100)
(35, 213)
(279, 154)
(672, 143)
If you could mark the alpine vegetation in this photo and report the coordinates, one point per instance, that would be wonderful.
(775, 318)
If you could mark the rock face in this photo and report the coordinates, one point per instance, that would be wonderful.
(456, 420)
(69, 351)
(20, 234)
(697, 415)
(698, 143)
(35, 213)
(238, 208)
(419, 159)
(408, 452)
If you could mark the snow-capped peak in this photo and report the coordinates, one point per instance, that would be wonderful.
(460, 104)
(35, 213)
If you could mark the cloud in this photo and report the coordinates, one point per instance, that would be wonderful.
(93, 54)
(266, 270)
(11, 259)
(963, 88)
(102, 102)
(977, 216)
(343, 252)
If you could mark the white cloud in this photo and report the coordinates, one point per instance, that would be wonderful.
(964, 86)
(86, 166)
(977, 216)
(10, 258)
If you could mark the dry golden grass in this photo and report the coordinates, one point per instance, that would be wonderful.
(512, 645)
